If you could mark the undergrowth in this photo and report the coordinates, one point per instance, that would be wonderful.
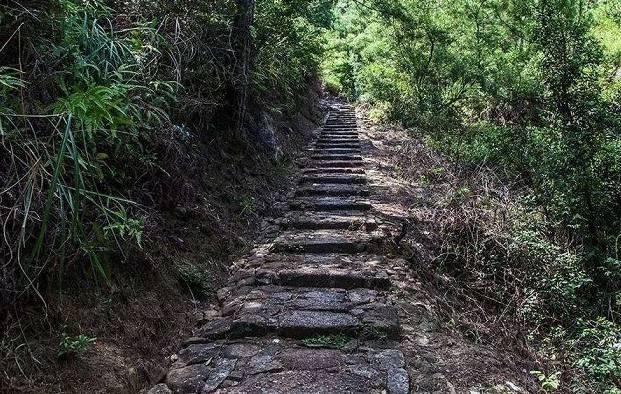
(111, 115)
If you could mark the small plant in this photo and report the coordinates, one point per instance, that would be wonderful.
(548, 383)
(336, 341)
(74, 345)
(197, 280)
(125, 227)
(248, 205)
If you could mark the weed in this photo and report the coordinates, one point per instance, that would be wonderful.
(334, 341)
(74, 345)
(197, 280)
(248, 205)
(548, 383)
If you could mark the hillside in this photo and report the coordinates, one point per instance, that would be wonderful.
(440, 182)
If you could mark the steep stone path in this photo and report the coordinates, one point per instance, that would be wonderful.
(308, 311)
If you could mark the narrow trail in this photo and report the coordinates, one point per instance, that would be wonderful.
(309, 311)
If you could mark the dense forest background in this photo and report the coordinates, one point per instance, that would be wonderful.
(111, 112)
(529, 93)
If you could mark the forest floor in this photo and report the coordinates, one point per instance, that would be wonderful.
(452, 343)
(336, 296)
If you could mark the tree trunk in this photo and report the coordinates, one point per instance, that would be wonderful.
(242, 46)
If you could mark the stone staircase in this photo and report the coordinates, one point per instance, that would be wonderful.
(307, 312)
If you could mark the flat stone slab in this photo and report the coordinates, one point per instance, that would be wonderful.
(336, 157)
(329, 204)
(337, 260)
(322, 241)
(335, 164)
(337, 144)
(332, 150)
(338, 220)
(314, 275)
(300, 312)
(327, 190)
(282, 366)
(339, 133)
(347, 179)
(338, 138)
(321, 171)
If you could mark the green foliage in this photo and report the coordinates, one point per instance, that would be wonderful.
(530, 89)
(548, 383)
(91, 105)
(336, 341)
(74, 345)
(600, 345)
(198, 281)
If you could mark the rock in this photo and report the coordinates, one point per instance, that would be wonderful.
(397, 381)
(220, 372)
(160, 389)
(188, 379)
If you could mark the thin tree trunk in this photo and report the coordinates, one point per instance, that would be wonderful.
(242, 45)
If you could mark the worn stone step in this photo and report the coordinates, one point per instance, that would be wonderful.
(336, 157)
(337, 145)
(300, 312)
(329, 204)
(328, 190)
(333, 171)
(336, 220)
(337, 260)
(335, 164)
(253, 366)
(330, 141)
(317, 277)
(322, 241)
(339, 132)
(335, 150)
(346, 179)
(335, 271)
(339, 137)
(348, 143)
(347, 138)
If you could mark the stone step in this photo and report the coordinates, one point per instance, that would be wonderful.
(346, 179)
(338, 145)
(337, 220)
(340, 133)
(332, 191)
(334, 271)
(335, 150)
(329, 204)
(317, 277)
(337, 260)
(300, 312)
(330, 141)
(322, 241)
(335, 164)
(334, 137)
(336, 157)
(253, 366)
(333, 171)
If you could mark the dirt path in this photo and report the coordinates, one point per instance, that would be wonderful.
(322, 305)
